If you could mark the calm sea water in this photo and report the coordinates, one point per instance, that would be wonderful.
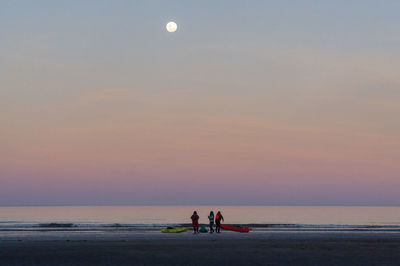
(145, 217)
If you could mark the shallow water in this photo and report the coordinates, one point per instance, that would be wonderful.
(145, 217)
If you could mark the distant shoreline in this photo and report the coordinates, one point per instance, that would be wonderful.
(116, 227)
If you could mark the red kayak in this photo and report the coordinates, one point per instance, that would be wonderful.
(235, 228)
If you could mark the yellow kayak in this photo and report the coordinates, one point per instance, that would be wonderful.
(174, 230)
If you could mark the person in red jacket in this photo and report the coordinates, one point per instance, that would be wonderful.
(195, 222)
(218, 219)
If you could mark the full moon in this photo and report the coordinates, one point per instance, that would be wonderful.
(171, 26)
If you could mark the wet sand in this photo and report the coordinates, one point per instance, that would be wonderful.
(151, 248)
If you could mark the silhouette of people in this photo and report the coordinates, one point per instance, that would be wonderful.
(195, 222)
(211, 218)
(218, 219)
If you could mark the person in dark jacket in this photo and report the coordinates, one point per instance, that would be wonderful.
(218, 219)
(195, 222)
(211, 218)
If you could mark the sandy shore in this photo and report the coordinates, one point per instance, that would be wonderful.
(151, 248)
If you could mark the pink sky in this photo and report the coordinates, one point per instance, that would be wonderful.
(301, 114)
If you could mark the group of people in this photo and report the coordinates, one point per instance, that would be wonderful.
(195, 222)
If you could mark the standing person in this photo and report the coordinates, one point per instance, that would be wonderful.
(195, 222)
(218, 219)
(211, 218)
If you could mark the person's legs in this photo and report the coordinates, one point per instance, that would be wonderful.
(211, 227)
(196, 227)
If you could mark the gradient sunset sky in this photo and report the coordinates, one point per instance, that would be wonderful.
(249, 102)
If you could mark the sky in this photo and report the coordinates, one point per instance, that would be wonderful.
(247, 103)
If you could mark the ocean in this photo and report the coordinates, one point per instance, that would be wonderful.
(151, 218)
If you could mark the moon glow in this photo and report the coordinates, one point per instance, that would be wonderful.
(171, 26)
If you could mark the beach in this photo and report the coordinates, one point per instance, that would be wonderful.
(227, 248)
(130, 235)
